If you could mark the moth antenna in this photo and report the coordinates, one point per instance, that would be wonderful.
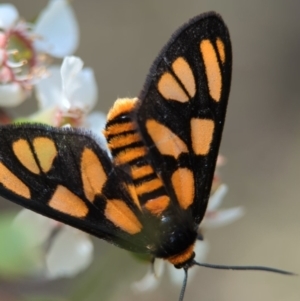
(184, 284)
(243, 268)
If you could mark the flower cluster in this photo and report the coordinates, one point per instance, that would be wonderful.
(66, 95)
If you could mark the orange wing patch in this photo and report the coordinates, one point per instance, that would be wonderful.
(13, 183)
(121, 216)
(23, 152)
(202, 134)
(92, 174)
(158, 205)
(184, 72)
(165, 140)
(169, 87)
(184, 187)
(67, 202)
(45, 151)
(221, 50)
(212, 69)
(133, 194)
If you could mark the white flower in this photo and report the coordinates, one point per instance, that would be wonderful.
(57, 29)
(217, 218)
(23, 47)
(68, 95)
(70, 88)
(212, 218)
(64, 251)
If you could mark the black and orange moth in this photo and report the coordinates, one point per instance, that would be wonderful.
(150, 193)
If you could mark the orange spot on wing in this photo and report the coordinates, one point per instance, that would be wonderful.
(121, 105)
(165, 140)
(148, 186)
(184, 187)
(182, 257)
(202, 131)
(121, 216)
(67, 202)
(133, 194)
(212, 69)
(169, 88)
(184, 72)
(221, 49)
(92, 174)
(23, 152)
(13, 183)
(158, 205)
(45, 151)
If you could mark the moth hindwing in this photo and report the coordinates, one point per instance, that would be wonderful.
(150, 195)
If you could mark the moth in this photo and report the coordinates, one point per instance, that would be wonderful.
(150, 193)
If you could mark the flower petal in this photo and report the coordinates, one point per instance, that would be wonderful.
(176, 275)
(69, 71)
(96, 122)
(151, 280)
(79, 85)
(223, 217)
(201, 250)
(148, 283)
(49, 89)
(57, 26)
(12, 95)
(70, 253)
(8, 15)
(87, 92)
(216, 199)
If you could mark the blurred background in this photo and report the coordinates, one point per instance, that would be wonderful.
(261, 141)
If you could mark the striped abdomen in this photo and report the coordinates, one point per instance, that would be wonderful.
(127, 148)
